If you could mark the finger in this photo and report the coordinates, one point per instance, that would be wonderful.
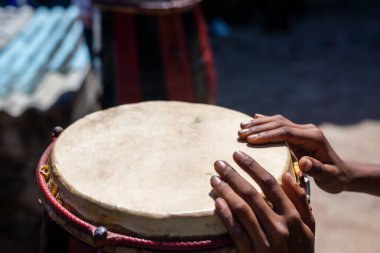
(242, 211)
(245, 190)
(298, 197)
(262, 119)
(255, 116)
(258, 119)
(259, 115)
(314, 168)
(326, 176)
(284, 133)
(234, 228)
(265, 180)
(255, 129)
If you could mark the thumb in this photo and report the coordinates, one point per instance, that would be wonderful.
(313, 167)
(325, 175)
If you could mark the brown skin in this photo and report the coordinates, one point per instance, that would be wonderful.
(317, 158)
(252, 224)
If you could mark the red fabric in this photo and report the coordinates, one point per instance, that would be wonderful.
(175, 58)
(206, 52)
(127, 64)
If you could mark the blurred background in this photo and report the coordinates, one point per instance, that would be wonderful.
(312, 61)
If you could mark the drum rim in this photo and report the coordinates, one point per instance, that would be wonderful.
(148, 6)
(113, 238)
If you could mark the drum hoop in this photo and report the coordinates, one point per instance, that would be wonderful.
(113, 238)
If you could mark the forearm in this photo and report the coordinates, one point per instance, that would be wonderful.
(363, 177)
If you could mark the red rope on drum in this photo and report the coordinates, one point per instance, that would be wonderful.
(115, 238)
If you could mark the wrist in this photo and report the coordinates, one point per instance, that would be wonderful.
(362, 177)
(348, 175)
(343, 172)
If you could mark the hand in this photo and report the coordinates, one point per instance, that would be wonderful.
(303, 139)
(252, 224)
(317, 158)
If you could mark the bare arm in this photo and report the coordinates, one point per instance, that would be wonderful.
(364, 178)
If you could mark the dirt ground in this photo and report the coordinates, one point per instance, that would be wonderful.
(349, 222)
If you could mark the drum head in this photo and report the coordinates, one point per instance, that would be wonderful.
(144, 169)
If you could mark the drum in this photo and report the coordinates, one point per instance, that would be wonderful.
(136, 178)
(153, 50)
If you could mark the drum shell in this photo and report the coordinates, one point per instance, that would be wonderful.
(163, 55)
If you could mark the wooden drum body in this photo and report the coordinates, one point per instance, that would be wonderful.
(135, 178)
(149, 50)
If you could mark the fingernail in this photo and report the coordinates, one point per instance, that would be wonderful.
(215, 180)
(305, 165)
(239, 153)
(220, 204)
(220, 164)
(221, 167)
(246, 123)
(287, 174)
(243, 131)
(253, 136)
